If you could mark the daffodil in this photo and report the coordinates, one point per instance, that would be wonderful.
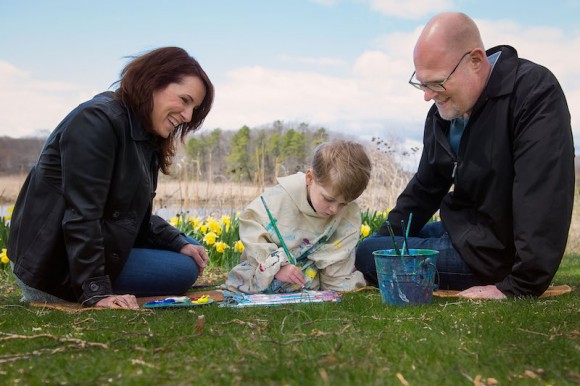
(203, 229)
(174, 221)
(239, 246)
(195, 222)
(214, 226)
(210, 238)
(365, 230)
(220, 246)
(227, 221)
(4, 257)
(9, 210)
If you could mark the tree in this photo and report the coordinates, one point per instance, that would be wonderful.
(196, 151)
(273, 153)
(212, 143)
(293, 150)
(239, 158)
(320, 136)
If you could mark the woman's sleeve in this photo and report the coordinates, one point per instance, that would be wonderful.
(88, 148)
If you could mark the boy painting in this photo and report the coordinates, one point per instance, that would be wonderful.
(319, 221)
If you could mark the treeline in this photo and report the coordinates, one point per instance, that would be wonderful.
(18, 155)
(255, 155)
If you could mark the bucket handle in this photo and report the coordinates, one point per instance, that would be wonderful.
(427, 262)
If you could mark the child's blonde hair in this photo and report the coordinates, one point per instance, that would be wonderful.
(344, 165)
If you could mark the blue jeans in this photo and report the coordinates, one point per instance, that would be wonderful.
(154, 272)
(452, 272)
(147, 272)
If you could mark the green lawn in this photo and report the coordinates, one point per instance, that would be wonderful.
(359, 341)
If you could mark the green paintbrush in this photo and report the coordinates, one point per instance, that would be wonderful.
(273, 222)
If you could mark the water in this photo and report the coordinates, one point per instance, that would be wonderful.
(167, 212)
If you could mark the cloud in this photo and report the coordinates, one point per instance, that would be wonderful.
(410, 9)
(31, 107)
(323, 62)
(375, 98)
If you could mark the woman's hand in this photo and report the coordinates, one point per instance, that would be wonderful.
(119, 301)
(199, 255)
(291, 274)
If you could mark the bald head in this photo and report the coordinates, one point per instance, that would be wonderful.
(450, 44)
(449, 34)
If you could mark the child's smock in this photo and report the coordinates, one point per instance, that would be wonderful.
(323, 246)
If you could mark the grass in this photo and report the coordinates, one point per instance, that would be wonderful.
(359, 341)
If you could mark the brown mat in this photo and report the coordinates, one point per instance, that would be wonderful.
(552, 291)
(217, 296)
(75, 307)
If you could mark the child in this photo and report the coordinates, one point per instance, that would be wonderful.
(318, 220)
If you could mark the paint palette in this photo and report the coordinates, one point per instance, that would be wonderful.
(179, 302)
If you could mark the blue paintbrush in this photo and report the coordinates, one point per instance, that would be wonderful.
(406, 233)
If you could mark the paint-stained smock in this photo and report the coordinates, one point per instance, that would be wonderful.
(323, 246)
(509, 210)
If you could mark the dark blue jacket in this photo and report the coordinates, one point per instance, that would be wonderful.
(509, 211)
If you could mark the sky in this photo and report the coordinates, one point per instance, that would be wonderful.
(338, 64)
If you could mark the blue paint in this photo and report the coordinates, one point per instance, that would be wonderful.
(408, 279)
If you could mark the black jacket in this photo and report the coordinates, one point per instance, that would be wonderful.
(509, 211)
(87, 202)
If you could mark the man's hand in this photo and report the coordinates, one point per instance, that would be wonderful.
(482, 292)
(291, 274)
(198, 253)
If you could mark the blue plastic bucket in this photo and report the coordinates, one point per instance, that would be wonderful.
(408, 279)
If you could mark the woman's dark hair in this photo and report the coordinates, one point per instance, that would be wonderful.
(154, 71)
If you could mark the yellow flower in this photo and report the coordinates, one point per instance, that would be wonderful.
(4, 257)
(214, 226)
(226, 220)
(365, 230)
(210, 238)
(220, 246)
(195, 222)
(174, 221)
(203, 228)
(10, 210)
(239, 246)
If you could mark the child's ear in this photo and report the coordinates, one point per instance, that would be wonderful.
(309, 176)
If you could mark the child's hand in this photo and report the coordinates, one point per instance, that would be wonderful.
(291, 274)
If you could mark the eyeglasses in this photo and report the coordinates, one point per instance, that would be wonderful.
(436, 86)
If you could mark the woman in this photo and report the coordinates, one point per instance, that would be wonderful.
(82, 228)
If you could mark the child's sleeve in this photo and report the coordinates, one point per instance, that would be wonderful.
(335, 260)
(262, 258)
(258, 243)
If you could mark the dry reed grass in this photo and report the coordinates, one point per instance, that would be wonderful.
(223, 197)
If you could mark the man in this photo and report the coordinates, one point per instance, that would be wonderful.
(498, 162)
